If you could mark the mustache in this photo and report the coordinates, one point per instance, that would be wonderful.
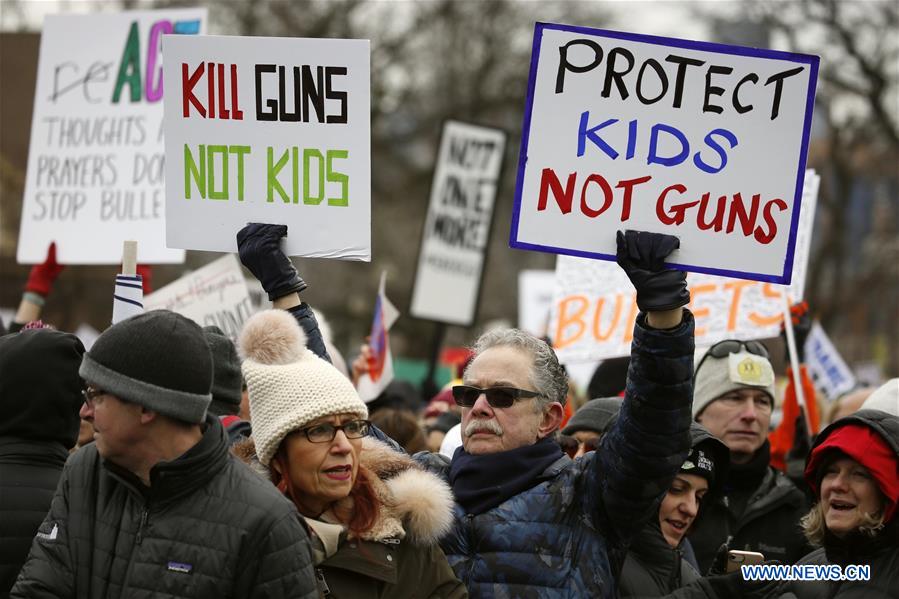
(477, 426)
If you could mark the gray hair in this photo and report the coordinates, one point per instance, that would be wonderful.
(547, 375)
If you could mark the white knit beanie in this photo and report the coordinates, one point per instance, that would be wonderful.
(288, 385)
(717, 376)
(885, 398)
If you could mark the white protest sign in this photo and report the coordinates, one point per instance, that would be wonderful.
(457, 228)
(270, 130)
(95, 163)
(703, 141)
(213, 295)
(826, 365)
(535, 300)
(595, 305)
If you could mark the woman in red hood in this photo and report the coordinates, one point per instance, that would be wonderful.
(853, 470)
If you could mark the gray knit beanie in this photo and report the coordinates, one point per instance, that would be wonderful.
(227, 382)
(158, 359)
(595, 415)
(717, 376)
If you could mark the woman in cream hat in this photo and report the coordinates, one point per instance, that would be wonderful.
(374, 516)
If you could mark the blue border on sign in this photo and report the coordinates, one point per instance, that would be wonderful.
(808, 59)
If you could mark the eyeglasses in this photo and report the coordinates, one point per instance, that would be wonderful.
(324, 433)
(571, 445)
(497, 397)
(90, 394)
(722, 349)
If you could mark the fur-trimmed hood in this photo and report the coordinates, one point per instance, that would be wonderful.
(415, 504)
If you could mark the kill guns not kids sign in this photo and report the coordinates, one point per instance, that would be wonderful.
(95, 163)
(270, 130)
(703, 141)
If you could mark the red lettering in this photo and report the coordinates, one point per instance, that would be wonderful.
(210, 81)
(188, 82)
(628, 186)
(676, 213)
(549, 180)
(607, 195)
(718, 221)
(766, 238)
(737, 210)
(236, 112)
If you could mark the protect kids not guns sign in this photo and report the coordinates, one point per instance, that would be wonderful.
(703, 141)
(95, 161)
(271, 130)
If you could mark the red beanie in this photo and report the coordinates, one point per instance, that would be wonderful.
(865, 446)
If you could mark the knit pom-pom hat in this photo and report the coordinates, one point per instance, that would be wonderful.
(288, 385)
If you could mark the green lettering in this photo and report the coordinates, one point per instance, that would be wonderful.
(211, 151)
(129, 68)
(296, 174)
(272, 175)
(344, 180)
(308, 154)
(195, 170)
(240, 151)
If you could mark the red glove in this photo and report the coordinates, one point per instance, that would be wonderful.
(42, 276)
(146, 277)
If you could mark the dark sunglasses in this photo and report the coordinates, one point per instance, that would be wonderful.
(497, 397)
(570, 445)
(722, 349)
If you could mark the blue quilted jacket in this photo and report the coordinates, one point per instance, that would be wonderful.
(567, 536)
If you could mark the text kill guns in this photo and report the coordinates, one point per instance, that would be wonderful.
(298, 94)
(663, 82)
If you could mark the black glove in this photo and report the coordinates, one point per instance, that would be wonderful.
(259, 247)
(642, 256)
(802, 326)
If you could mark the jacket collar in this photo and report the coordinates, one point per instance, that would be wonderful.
(185, 474)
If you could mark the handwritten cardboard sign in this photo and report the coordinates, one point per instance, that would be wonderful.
(95, 163)
(703, 141)
(272, 130)
(213, 295)
(595, 305)
(457, 228)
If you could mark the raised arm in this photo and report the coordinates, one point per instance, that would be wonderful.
(651, 437)
(259, 248)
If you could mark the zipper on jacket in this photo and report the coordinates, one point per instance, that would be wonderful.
(322, 583)
(144, 515)
(469, 518)
(143, 523)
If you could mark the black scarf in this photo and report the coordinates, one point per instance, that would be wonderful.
(482, 482)
(747, 477)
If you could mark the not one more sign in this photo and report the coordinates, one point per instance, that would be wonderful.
(703, 141)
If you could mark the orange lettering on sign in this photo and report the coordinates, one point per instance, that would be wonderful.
(559, 340)
(597, 315)
(738, 287)
(698, 313)
(768, 290)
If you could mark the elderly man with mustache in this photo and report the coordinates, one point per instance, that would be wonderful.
(532, 522)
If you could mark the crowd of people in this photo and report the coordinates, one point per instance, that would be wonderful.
(167, 461)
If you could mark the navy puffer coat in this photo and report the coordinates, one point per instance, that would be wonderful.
(567, 536)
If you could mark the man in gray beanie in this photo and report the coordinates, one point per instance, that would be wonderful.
(759, 509)
(157, 505)
(586, 427)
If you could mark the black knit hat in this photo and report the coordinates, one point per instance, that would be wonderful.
(227, 382)
(40, 390)
(595, 415)
(158, 359)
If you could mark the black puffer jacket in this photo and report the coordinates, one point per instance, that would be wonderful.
(207, 527)
(29, 471)
(769, 523)
(880, 553)
(40, 395)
